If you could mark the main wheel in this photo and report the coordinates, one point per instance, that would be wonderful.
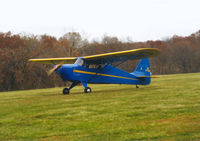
(87, 90)
(65, 91)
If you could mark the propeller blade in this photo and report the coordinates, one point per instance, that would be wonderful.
(54, 69)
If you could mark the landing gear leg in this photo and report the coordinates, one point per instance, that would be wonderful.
(74, 84)
(67, 90)
(87, 89)
(137, 86)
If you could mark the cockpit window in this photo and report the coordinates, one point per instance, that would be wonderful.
(79, 61)
(96, 66)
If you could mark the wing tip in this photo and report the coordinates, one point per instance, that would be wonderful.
(31, 60)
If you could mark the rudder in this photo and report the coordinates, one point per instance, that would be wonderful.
(143, 69)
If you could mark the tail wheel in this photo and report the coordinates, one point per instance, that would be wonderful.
(65, 91)
(87, 90)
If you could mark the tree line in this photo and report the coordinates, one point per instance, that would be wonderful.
(178, 55)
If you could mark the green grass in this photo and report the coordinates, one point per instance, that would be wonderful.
(168, 109)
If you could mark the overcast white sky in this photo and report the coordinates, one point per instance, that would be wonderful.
(139, 19)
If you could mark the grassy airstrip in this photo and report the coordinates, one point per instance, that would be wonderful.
(168, 109)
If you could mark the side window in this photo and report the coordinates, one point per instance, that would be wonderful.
(96, 66)
(103, 65)
(87, 65)
(92, 66)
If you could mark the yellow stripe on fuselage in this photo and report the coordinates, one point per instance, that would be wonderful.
(93, 73)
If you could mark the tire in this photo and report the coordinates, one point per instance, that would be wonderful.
(87, 90)
(65, 91)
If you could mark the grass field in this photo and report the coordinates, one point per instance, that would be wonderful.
(168, 109)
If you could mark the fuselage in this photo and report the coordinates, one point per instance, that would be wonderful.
(106, 74)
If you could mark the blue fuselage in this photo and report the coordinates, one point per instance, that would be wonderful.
(107, 74)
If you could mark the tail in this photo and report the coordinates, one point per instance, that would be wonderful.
(143, 72)
(143, 69)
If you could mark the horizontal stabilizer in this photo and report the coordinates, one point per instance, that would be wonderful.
(153, 76)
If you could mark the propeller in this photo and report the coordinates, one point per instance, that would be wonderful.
(54, 69)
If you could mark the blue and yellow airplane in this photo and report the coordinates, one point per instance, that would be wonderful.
(99, 69)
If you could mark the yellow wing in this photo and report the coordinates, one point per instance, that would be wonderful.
(106, 57)
(122, 55)
(67, 60)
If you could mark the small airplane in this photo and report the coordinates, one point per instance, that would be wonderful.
(99, 69)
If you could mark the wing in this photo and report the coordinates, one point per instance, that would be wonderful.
(67, 60)
(104, 58)
(122, 56)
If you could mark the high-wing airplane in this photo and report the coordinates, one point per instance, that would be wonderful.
(99, 69)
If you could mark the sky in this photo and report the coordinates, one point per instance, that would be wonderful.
(138, 20)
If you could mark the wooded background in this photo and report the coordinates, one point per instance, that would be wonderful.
(178, 55)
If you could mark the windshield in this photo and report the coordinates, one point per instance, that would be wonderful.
(79, 61)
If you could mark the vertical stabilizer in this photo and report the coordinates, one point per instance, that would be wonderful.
(143, 69)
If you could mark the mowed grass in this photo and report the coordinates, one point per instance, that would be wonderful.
(168, 109)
